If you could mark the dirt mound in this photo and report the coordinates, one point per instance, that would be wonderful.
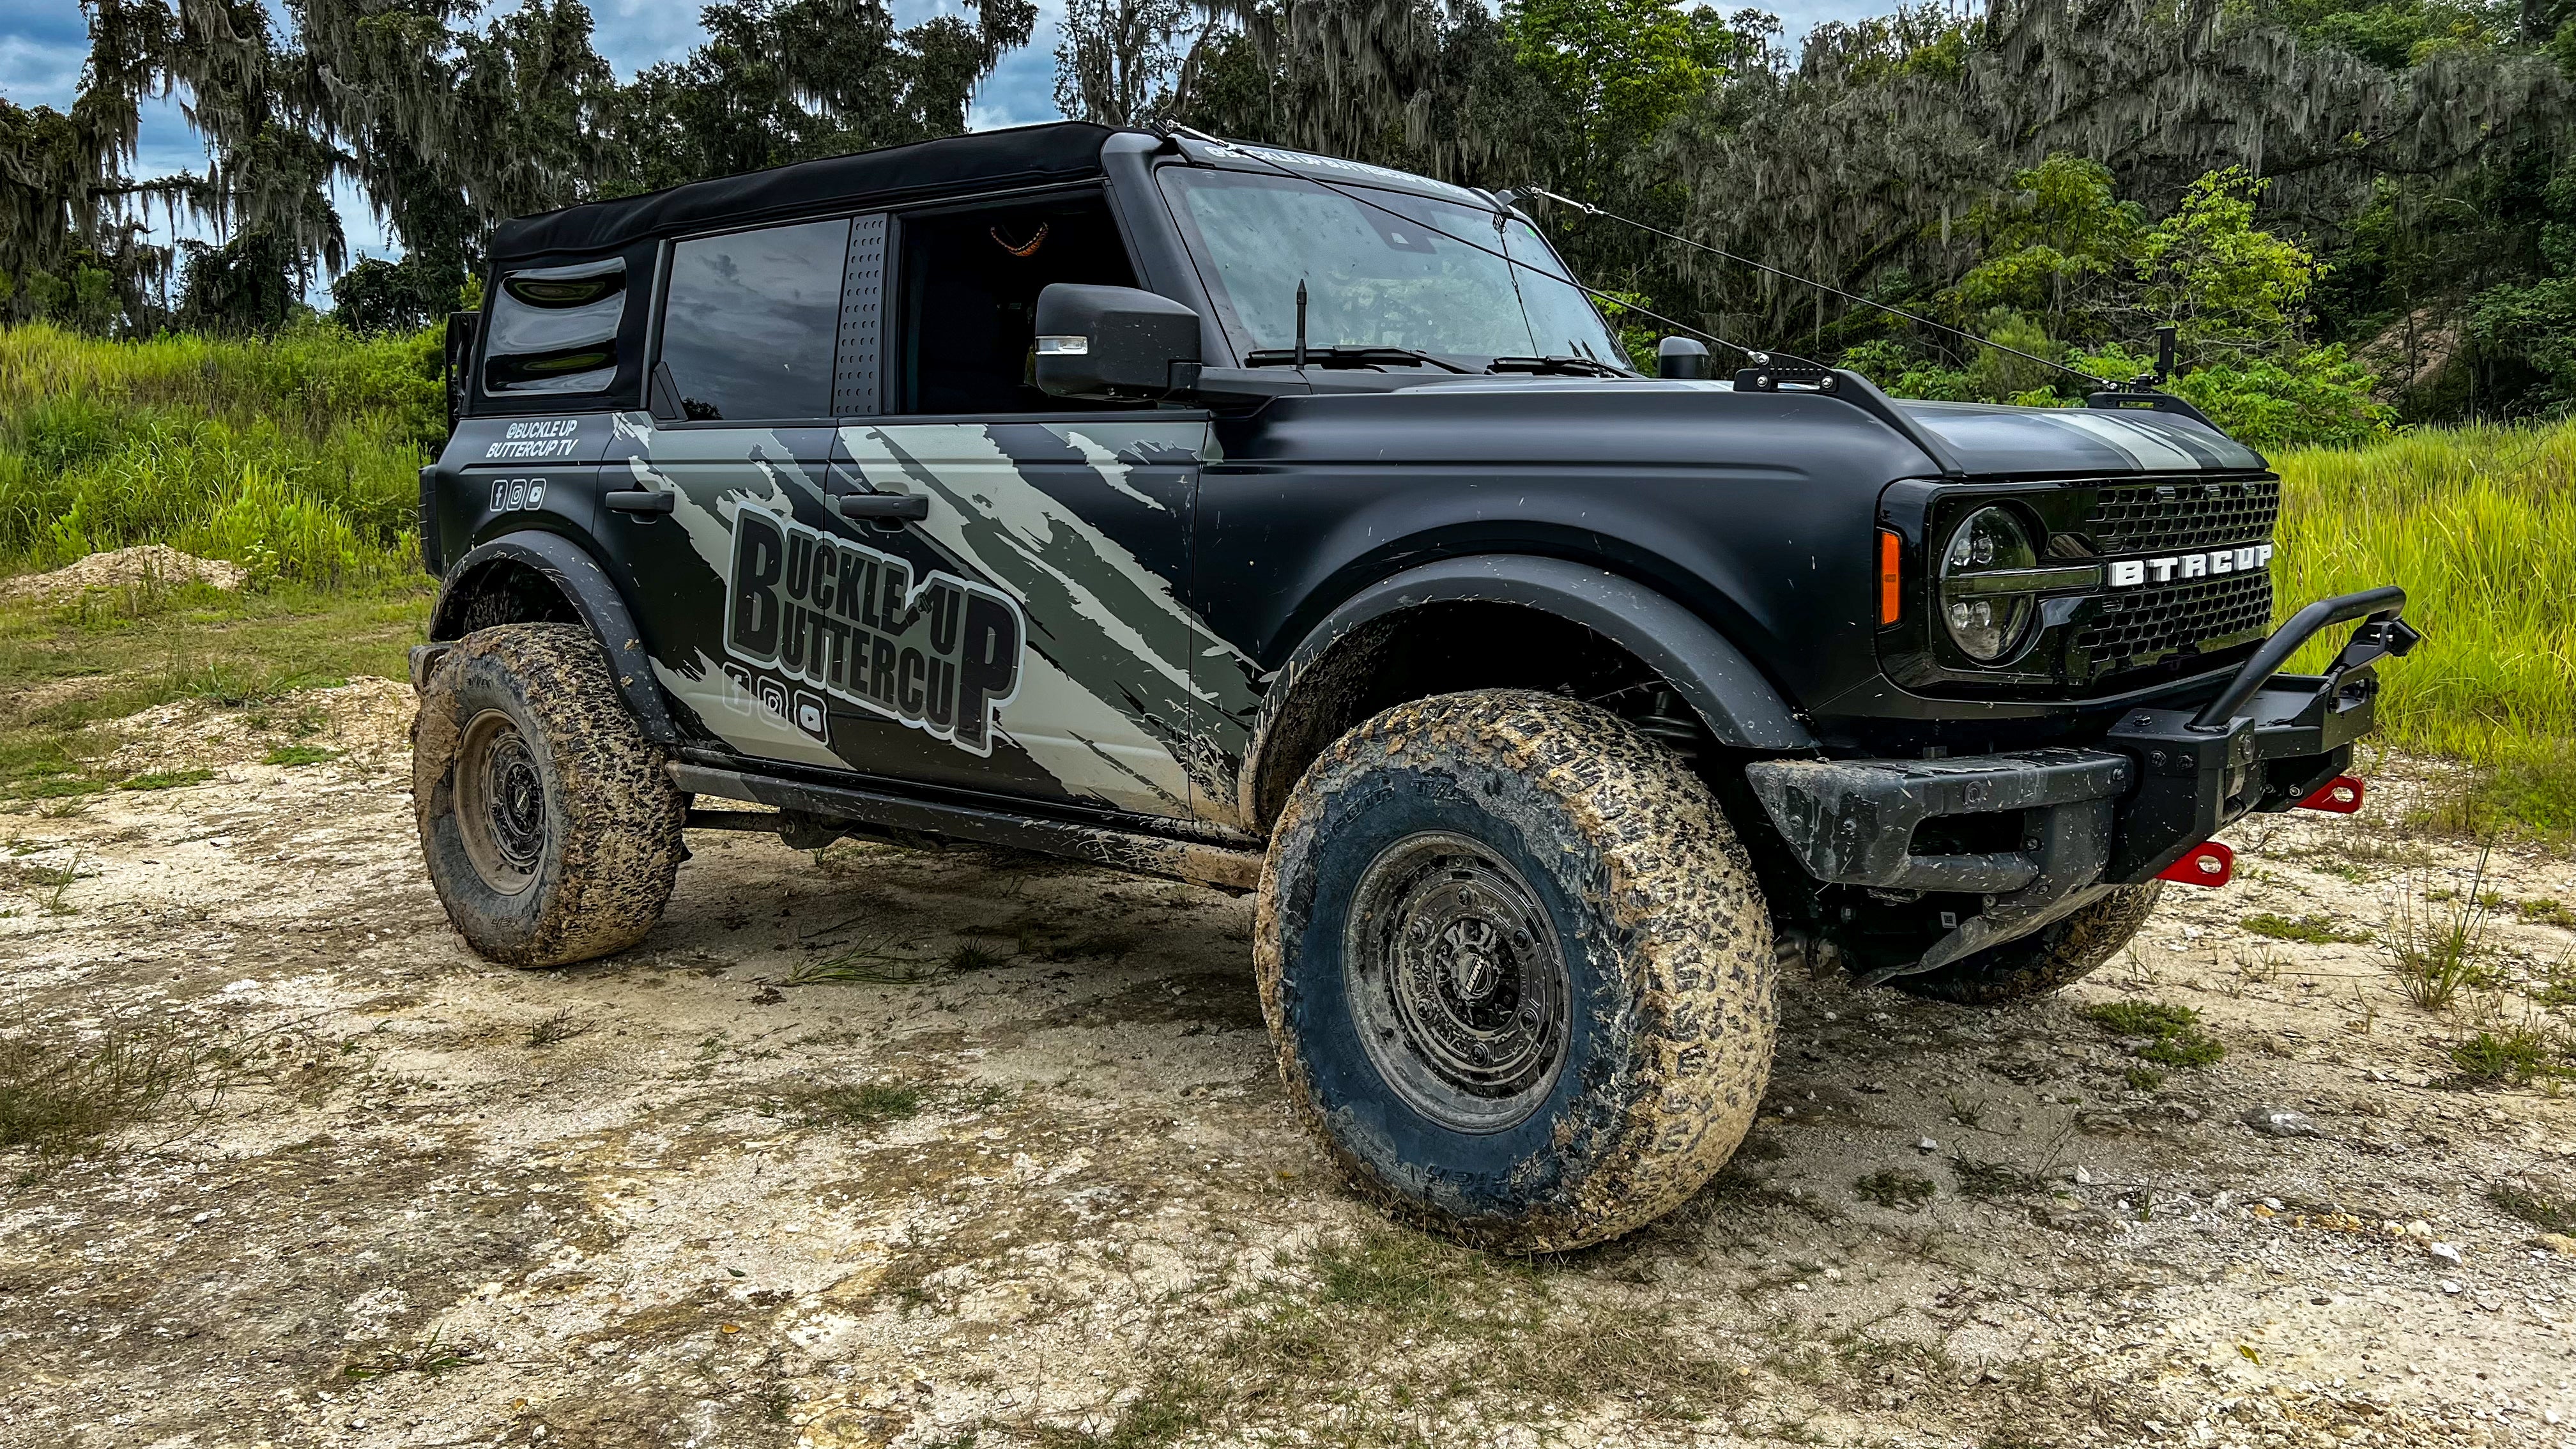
(367, 719)
(124, 568)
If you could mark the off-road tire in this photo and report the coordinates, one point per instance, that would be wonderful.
(2059, 954)
(1668, 1008)
(578, 854)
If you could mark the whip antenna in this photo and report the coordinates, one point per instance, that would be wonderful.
(1759, 357)
(1589, 209)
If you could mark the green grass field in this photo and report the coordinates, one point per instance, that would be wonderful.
(2479, 526)
(297, 457)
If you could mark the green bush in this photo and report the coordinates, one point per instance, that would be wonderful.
(295, 455)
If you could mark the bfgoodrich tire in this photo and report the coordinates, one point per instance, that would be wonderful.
(2059, 954)
(551, 830)
(1516, 969)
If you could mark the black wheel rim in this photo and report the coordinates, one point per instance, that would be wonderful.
(1457, 983)
(500, 803)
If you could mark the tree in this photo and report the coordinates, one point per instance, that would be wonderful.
(1117, 61)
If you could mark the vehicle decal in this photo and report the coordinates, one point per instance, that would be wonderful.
(536, 439)
(941, 653)
(1124, 709)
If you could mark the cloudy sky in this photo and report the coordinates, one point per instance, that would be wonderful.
(42, 43)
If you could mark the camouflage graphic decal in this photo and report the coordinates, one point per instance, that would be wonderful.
(941, 654)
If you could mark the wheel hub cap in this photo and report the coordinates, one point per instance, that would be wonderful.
(500, 803)
(1456, 982)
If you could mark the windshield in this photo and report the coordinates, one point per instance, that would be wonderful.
(1379, 272)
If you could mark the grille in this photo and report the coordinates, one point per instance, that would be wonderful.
(2162, 517)
(2139, 629)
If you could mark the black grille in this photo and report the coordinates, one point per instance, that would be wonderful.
(2136, 629)
(2162, 517)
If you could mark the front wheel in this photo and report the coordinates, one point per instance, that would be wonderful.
(550, 827)
(1516, 969)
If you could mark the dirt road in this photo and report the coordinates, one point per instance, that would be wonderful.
(950, 1149)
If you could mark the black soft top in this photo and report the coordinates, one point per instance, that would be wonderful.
(983, 160)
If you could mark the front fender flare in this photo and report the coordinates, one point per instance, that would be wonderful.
(1740, 707)
(571, 569)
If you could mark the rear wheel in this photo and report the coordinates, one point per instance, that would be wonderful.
(1516, 969)
(551, 830)
(2059, 954)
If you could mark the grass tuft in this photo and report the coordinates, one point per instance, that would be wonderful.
(2437, 939)
(2314, 930)
(2173, 1034)
(62, 1098)
(869, 1104)
(293, 755)
(1890, 1188)
(2549, 1214)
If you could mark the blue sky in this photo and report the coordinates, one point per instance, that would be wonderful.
(42, 43)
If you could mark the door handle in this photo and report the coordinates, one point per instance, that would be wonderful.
(886, 507)
(639, 500)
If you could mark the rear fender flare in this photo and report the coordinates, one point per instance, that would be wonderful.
(1740, 707)
(593, 595)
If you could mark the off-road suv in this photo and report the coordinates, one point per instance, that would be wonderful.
(1291, 525)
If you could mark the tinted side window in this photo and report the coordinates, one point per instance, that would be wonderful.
(554, 329)
(750, 319)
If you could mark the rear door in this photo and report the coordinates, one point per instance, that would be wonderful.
(741, 392)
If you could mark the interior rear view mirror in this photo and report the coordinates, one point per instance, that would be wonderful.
(1111, 342)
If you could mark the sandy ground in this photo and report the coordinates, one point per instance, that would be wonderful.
(449, 1204)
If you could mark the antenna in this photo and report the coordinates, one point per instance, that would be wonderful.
(1301, 323)
(1759, 357)
(1589, 209)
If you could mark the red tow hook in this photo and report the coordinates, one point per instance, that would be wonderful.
(2338, 796)
(2206, 864)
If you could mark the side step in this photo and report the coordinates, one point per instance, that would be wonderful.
(1225, 867)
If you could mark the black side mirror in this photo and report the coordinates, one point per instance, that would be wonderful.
(1681, 357)
(1111, 342)
(457, 363)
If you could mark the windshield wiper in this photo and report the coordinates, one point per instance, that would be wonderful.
(1562, 363)
(1346, 357)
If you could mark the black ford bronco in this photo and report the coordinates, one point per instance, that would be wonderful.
(1291, 525)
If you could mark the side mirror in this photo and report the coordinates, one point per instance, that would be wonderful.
(1681, 357)
(1111, 342)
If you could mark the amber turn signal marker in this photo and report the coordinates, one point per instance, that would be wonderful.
(1888, 603)
(2339, 796)
(2206, 864)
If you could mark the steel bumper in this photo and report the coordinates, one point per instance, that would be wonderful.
(2158, 783)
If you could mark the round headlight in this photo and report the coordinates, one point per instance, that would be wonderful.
(1986, 610)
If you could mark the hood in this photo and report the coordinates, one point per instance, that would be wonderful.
(1992, 439)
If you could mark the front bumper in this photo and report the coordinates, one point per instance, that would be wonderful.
(2160, 782)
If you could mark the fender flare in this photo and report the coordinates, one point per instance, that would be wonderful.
(583, 583)
(1740, 707)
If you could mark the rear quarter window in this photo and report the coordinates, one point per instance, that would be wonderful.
(555, 329)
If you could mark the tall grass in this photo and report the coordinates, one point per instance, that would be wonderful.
(296, 456)
(2479, 525)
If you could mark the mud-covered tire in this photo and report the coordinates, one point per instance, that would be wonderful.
(551, 829)
(1666, 1009)
(2059, 954)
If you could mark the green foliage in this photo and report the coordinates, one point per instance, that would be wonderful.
(2223, 282)
(1622, 68)
(296, 456)
(2316, 397)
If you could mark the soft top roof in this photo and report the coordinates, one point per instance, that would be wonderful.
(1020, 156)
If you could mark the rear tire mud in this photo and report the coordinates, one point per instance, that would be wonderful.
(2060, 954)
(1516, 968)
(550, 828)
